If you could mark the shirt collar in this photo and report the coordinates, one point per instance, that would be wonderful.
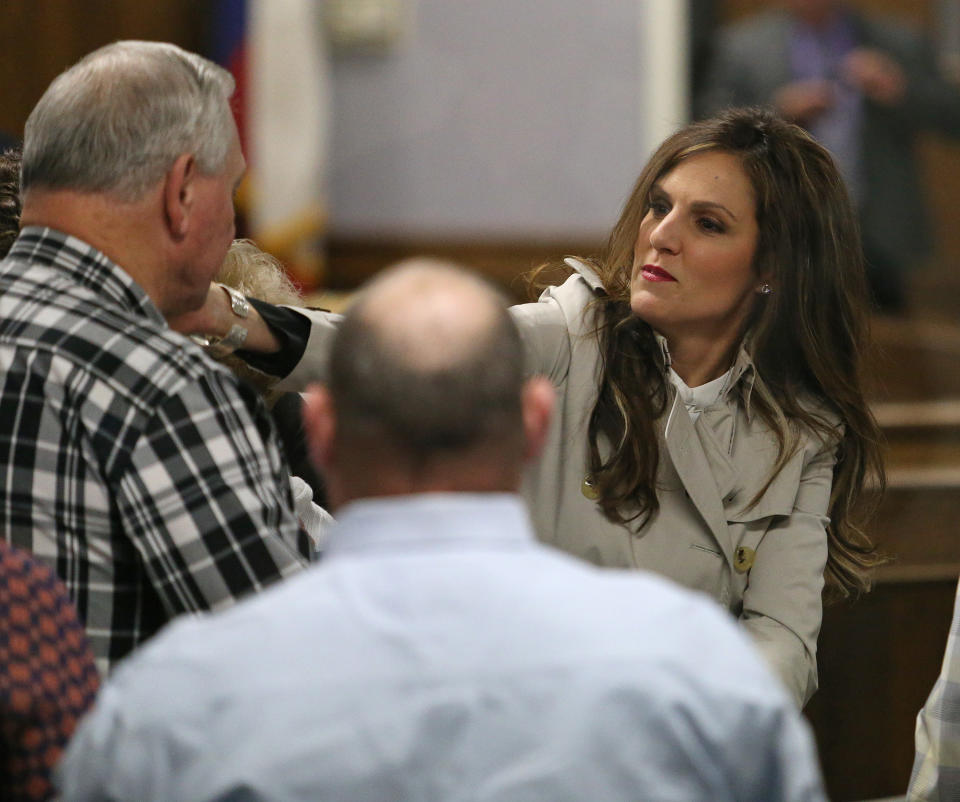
(86, 265)
(742, 373)
(588, 273)
(487, 519)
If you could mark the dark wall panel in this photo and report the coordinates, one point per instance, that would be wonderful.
(39, 38)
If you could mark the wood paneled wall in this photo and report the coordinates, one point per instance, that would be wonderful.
(921, 11)
(40, 38)
(878, 659)
(507, 263)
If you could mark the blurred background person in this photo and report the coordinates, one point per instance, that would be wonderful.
(865, 87)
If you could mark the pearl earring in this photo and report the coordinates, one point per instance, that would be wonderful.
(765, 289)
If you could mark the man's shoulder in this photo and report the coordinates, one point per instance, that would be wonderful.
(565, 602)
(121, 347)
(578, 619)
(641, 633)
(667, 620)
(560, 613)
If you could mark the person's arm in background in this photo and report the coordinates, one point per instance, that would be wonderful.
(216, 317)
(733, 76)
(936, 765)
(749, 67)
(897, 71)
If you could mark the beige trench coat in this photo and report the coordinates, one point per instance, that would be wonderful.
(765, 564)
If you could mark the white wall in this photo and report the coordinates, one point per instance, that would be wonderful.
(500, 118)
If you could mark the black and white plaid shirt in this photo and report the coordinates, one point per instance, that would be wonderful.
(139, 469)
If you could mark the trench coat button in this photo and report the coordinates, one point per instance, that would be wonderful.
(743, 559)
(588, 489)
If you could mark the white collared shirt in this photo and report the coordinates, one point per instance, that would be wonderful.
(697, 399)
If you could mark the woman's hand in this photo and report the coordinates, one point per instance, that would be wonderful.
(216, 317)
(804, 101)
(877, 75)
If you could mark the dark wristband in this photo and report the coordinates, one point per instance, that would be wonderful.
(292, 330)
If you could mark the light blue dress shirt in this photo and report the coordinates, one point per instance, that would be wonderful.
(440, 653)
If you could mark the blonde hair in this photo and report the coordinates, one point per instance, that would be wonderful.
(256, 273)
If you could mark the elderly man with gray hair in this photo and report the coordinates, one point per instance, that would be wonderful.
(140, 470)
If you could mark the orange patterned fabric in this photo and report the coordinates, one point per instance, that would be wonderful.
(47, 674)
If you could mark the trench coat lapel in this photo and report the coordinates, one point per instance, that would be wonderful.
(697, 474)
(711, 428)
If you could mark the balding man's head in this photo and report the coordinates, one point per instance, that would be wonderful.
(433, 317)
(426, 373)
(428, 359)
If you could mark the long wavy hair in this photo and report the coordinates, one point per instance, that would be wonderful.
(806, 339)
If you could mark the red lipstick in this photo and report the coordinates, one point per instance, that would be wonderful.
(654, 273)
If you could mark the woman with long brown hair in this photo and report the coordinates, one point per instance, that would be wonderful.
(711, 422)
(712, 425)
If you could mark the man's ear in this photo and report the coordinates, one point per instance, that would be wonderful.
(319, 423)
(178, 195)
(538, 400)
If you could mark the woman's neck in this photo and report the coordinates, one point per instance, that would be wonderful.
(698, 361)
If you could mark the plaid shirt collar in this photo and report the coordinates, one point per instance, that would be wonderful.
(86, 265)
